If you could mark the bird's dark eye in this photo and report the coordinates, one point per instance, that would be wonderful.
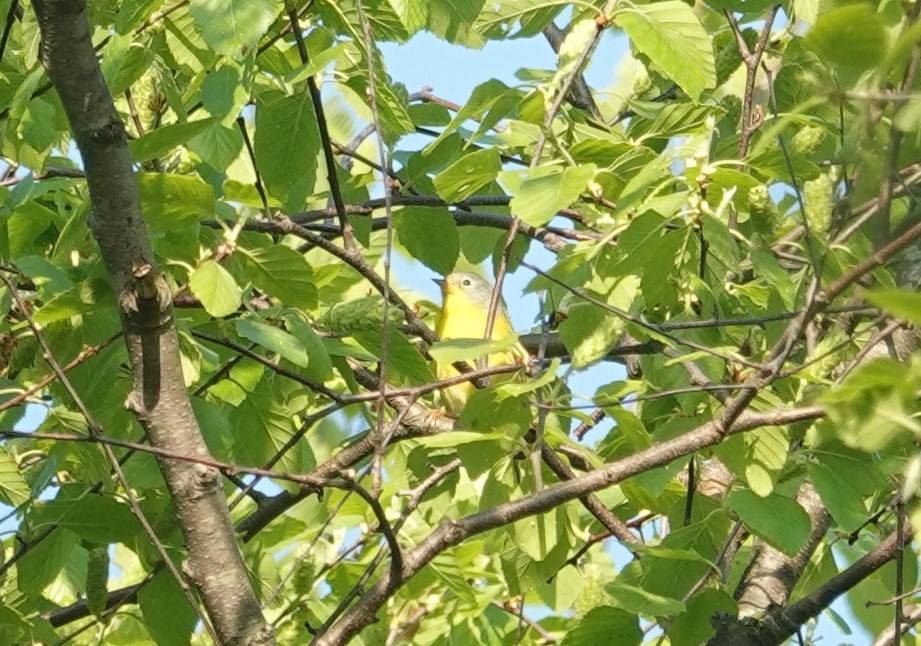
(466, 282)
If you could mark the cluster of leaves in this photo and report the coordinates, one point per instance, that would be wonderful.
(686, 229)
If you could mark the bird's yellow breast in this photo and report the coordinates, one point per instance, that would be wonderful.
(462, 319)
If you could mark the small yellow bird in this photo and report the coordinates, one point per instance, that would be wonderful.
(464, 313)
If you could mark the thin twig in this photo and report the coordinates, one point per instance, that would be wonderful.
(326, 143)
(8, 27)
(751, 59)
(241, 124)
(96, 430)
(593, 419)
(82, 356)
(382, 438)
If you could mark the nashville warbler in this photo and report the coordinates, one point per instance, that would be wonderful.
(464, 313)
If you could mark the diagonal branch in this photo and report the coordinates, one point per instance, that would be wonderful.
(580, 95)
(453, 532)
(780, 625)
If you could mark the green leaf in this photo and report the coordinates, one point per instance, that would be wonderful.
(221, 91)
(14, 490)
(604, 626)
(132, 13)
(641, 602)
(758, 457)
(640, 244)
(538, 193)
(173, 202)
(319, 366)
(27, 223)
(164, 139)
(537, 536)
(286, 142)
(902, 303)
(263, 424)
(845, 479)
(589, 331)
(517, 18)
(517, 389)
(413, 14)
(487, 410)
(670, 34)
(468, 174)
(851, 39)
(875, 405)
(95, 518)
(483, 98)
(282, 343)
(453, 439)
(453, 350)
(42, 564)
(216, 289)
(694, 627)
(779, 520)
(402, 356)
(452, 20)
(128, 67)
(233, 27)
(430, 236)
(166, 611)
(218, 146)
(283, 273)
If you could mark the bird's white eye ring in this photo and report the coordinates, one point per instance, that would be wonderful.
(467, 282)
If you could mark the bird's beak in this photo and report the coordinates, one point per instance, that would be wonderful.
(440, 282)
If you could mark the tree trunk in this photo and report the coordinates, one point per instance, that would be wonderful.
(159, 397)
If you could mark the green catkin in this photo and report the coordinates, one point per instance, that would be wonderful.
(807, 140)
(818, 196)
(97, 579)
(359, 314)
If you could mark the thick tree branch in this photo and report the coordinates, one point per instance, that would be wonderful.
(454, 532)
(159, 397)
(596, 508)
(781, 624)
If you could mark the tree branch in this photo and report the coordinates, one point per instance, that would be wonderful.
(453, 532)
(159, 398)
(781, 624)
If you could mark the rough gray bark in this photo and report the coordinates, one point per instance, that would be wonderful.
(782, 623)
(159, 397)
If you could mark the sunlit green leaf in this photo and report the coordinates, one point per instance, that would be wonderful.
(468, 174)
(671, 35)
(215, 287)
(605, 625)
(14, 490)
(430, 235)
(850, 38)
(274, 339)
(163, 140)
(234, 26)
(284, 274)
(539, 193)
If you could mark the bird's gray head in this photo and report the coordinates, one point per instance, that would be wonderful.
(474, 288)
